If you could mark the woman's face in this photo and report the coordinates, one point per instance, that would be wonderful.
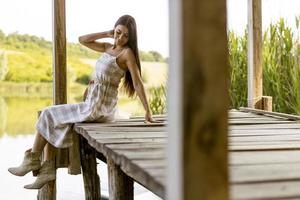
(121, 35)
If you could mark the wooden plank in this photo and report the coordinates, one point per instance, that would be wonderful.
(129, 124)
(112, 135)
(240, 158)
(258, 119)
(258, 122)
(264, 126)
(270, 190)
(141, 119)
(136, 146)
(125, 123)
(118, 155)
(264, 147)
(268, 113)
(99, 144)
(263, 138)
(264, 157)
(141, 154)
(241, 114)
(157, 172)
(95, 127)
(164, 116)
(154, 163)
(239, 134)
(132, 140)
(296, 143)
(264, 132)
(264, 173)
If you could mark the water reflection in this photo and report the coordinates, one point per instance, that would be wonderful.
(3, 116)
(18, 114)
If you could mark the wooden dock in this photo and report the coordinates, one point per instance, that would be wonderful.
(264, 155)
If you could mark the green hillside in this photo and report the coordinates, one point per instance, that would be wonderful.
(27, 58)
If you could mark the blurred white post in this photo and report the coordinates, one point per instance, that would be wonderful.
(174, 147)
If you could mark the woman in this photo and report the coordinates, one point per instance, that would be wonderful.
(118, 60)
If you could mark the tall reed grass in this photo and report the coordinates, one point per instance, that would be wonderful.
(158, 99)
(281, 67)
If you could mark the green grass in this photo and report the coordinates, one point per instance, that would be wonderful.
(281, 67)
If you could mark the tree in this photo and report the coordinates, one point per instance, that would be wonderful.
(157, 56)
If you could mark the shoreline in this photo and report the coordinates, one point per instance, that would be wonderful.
(35, 89)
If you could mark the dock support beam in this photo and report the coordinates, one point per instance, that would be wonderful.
(91, 179)
(120, 185)
(48, 192)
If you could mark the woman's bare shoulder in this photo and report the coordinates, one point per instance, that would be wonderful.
(128, 53)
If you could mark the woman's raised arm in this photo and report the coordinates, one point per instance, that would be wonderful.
(89, 40)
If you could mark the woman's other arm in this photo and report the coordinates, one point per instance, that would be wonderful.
(89, 40)
(137, 83)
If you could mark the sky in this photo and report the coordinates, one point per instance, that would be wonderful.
(87, 16)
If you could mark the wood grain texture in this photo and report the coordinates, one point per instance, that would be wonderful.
(205, 99)
(266, 190)
(255, 89)
(91, 179)
(120, 185)
(272, 114)
(266, 155)
(59, 80)
(47, 192)
(267, 103)
(74, 165)
(59, 52)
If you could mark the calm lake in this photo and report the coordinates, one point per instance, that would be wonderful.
(17, 120)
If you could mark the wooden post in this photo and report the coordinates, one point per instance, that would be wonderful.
(48, 192)
(89, 171)
(204, 70)
(59, 53)
(267, 103)
(255, 90)
(120, 185)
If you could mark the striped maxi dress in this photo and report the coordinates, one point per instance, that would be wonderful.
(100, 105)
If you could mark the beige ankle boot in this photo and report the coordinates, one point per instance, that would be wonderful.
(31, 162)
(46, 173)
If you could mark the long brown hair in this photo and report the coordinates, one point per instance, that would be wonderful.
(129, 22)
